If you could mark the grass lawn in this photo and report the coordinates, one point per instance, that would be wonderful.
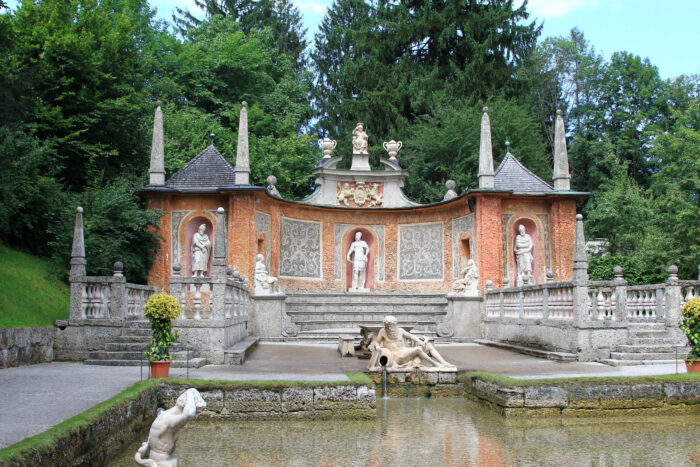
(29, 296)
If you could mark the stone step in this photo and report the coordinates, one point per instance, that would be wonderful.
(652, 341)
(646, 349)
(614, 362)
(116, 355)
(238, 352)
(371, 299)
(641, 355)
(364, 308)
(135, 324)
(374, 319)
(658, 334)
(428, 325)
(330, 335)
(127, 339)
(126, 346)
(196, 362)
(541, 353)
(136, 332)
(648, 326)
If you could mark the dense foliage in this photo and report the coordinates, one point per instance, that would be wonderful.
(79, 78)
(691, 326)
(161, 308)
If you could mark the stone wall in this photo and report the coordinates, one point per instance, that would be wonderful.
(581, 397)
(75, 339)
(25, 346)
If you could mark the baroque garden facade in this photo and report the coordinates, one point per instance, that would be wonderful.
(504, 262)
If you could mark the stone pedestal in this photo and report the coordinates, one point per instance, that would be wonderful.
(269, 317)
(464, 317)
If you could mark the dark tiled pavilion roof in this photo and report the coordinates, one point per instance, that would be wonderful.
(207, 170)
(512, 175)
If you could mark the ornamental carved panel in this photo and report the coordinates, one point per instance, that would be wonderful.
(360, 194)
(300, 248)
(421, 255)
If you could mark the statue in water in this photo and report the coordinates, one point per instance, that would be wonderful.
(165, 430)
(201, 247)
(390, 349)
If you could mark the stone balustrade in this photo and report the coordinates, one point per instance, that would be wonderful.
(584, 317)
(203, 298)
(108, 297)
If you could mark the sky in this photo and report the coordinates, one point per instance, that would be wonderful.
(665, 31)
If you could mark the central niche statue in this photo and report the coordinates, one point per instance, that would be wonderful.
(523, 257)
(201, 247)
(358, 254)
(165, 430)
(265, 284)
(359, 139)
(390, 350)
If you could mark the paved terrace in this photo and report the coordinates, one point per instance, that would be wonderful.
(35, 398)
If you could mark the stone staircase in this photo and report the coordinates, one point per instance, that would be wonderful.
(321, 318)
(127, 349)
(648, 344)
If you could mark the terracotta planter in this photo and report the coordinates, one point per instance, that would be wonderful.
(692, 366)
(160, 369)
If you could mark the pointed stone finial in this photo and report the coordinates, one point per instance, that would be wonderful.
(580, 259)
(242, 154)
(157, 170)
(211, 139)
(77, 255)
(486, 174)
(562, 178)
(271, 188)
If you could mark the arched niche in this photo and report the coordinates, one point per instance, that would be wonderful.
(190, 227)
(533, 230)
(371, 241)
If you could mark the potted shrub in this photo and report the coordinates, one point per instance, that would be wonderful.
(691, 327)
(160, 309)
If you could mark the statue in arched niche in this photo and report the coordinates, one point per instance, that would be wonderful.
(358, 254)
(523, 257)
(201, 248)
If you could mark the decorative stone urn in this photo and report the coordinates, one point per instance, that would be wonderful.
(393, 147)
(327, 145)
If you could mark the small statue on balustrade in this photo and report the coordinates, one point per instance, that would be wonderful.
(468, 286)
(265, 284)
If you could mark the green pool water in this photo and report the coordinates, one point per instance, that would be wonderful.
(427, 432)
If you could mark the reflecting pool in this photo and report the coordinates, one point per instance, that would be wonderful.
(426, 432)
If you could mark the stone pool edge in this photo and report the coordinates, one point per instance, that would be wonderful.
(581, 397)
(94, 436)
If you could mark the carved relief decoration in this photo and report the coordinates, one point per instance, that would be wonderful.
(420, 252)
(262, 227)
(300, 248)
(504, 223)
(175, 221)
(357, 194)
(545, 228)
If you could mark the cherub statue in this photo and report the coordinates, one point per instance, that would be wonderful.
(265, 284)
(469, 284)
(165, 430)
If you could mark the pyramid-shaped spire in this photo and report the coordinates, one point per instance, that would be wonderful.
(157, 170)
(562, 178)
(486, 175)
(242, 153)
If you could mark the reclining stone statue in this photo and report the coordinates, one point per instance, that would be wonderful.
(165, 430)
(390, 350)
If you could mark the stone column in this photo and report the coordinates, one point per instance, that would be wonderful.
(118, 299)
(176, 287)
(580, 278)
(620, 295)
(218, 268)
(77, 267)
(672, 313)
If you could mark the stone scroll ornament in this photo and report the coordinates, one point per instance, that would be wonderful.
(159, 449)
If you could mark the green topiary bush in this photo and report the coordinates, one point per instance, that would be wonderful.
(160, 309)
(691, 326)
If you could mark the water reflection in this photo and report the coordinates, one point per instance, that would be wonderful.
(453, 432)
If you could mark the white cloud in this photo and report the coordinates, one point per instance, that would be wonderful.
(544, 9)
(313, 6)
